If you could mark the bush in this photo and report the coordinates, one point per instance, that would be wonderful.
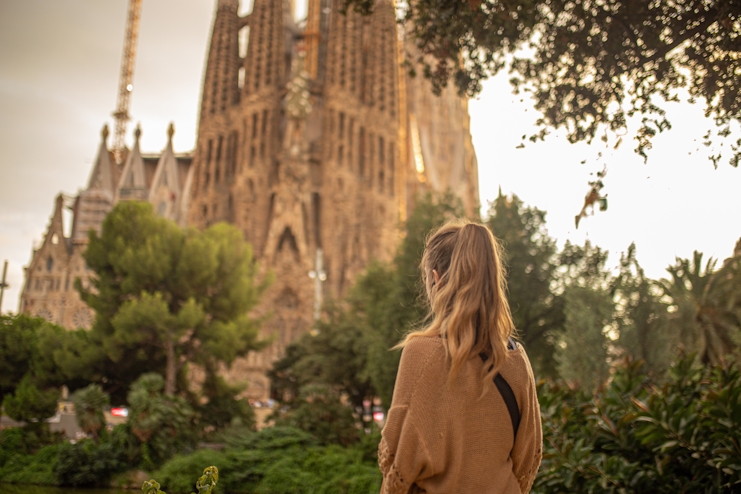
(28, 456)
(223, 408)
(87, 464)
(176, 475)
(126, 443)
(680, 435)
(320, 412)
(35, 468)
(12, 442)
(278, 460)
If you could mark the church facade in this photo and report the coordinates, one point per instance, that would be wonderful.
(312, 140)
(162, 179)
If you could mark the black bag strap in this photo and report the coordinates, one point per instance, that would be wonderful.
(506, 391)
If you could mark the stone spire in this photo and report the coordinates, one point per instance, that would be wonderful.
(94, 203)
(220, 86)
(265, 66)
(55, 233)
(133, 183)
(316, 35)
(166, 191)
(101, 177)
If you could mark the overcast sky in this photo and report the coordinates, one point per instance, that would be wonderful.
(59, 69)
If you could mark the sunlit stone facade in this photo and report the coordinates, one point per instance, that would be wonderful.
(311, 138)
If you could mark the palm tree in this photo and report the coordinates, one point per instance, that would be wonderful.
(685, 291)
(89, 403)
(706, 305)
(719, 314)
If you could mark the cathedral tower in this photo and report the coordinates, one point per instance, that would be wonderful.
(302, 144)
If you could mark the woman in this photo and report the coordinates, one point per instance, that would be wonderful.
(449, 429)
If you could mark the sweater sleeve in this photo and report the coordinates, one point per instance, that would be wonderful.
(528, 448)
(403, 456)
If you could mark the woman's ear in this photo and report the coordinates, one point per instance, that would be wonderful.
(436, 275)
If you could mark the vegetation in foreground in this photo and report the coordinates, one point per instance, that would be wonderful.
(638, 435)
(274, 460)
(634, 435)
(609, 426)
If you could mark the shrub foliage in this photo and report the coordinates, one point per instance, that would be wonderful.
(679, 435)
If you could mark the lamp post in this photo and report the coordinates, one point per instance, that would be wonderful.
(318, 275)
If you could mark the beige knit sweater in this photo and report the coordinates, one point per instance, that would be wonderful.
(444, 439)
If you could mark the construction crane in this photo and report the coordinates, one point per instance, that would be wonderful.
(121, 115)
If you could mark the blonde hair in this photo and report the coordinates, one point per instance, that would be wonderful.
(468, 305)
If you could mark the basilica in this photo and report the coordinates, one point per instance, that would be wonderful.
(312, 140)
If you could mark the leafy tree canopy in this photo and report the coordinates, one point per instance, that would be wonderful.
(164, 296)
(590, 65)
(334, 354)
(21, 354)
(642, 317)
(530, 259)
(29, 381)
(30, 403)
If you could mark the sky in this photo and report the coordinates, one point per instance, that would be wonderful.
(59, 70)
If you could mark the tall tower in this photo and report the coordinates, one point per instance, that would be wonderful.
(302, 145)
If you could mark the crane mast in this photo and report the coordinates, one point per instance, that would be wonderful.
(121, 115)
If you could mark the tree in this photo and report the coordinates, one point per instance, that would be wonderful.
(642, 318)
(583, 266)
(319, 411)
(583, 349)
(582, 357)
(335, 355)
(386, 306)
(89, 403)
(75, 356)
(21, 352)
(29, 382)
(685, 289)
(590, 66)
(719, 313)
(164, 296)
(530, 258)
(223, 406)
(163, 424)
(30, 403)
(18, 347)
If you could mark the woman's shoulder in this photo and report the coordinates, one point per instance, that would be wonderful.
(421, 361)
(421, 351)
(517, 367)
(422, 347)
